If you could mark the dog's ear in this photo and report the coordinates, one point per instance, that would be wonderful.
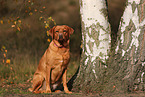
(71, 30)
(51, 31)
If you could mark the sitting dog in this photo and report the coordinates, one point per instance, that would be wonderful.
(52, 68)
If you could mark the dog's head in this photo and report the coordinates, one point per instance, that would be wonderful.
(61, 33)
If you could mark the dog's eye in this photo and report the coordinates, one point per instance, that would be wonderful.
(56, 31)
(64, 30)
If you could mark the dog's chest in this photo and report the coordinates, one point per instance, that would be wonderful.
(59, 59)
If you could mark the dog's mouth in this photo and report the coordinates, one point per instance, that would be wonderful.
(61, 41)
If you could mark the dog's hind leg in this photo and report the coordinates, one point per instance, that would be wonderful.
(37, 83)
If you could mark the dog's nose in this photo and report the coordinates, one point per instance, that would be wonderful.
(60, 36)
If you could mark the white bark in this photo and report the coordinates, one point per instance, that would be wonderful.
(96, 43)
(92, 14)
(128, 16)
(131, 43)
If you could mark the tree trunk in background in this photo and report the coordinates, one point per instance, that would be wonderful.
(127, 65)
(96, 45)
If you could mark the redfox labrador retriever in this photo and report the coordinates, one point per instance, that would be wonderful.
(52, 68)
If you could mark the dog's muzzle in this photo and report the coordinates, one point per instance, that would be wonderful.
(60, 36)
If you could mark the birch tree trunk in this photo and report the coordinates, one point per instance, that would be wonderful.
(96, 45)
(127, 69)
(123, 69)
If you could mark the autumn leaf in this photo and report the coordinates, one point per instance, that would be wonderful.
(11, 68)
(35, 10)
(26, 11)
(30, 13)
(29, 8)
(6, 51)
(49, 18)
(13, 26)
(2, 22)
(9, 21)
(47, 33)
(44, 21)
(32, 3)
(48, 40)
(46, 26)
(4, 55)
(18, 17)
(40, 18)
(18, 28)
(12, 20)
(41, 11)
(3, 61)
(8, 61)
(54, 23)
(81, 46)
(53, 20)
(19, 21)
(15, 22)
(114, 86)
(3, 47)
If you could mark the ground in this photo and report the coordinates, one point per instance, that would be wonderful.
(20, 90)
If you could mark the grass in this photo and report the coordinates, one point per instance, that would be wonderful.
(15, 78)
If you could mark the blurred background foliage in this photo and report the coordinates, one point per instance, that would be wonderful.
(21, 29)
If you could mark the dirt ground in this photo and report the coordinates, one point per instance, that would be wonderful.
(21, 90)
(77, 95)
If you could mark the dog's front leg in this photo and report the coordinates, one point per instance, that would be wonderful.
(65, 82)
(48, 70)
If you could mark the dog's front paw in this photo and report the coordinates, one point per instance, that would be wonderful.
(68, 92)
(48, 91)
(30, 89)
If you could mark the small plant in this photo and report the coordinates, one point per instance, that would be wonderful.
(6, 66)
(16, 24)
(47, 22)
